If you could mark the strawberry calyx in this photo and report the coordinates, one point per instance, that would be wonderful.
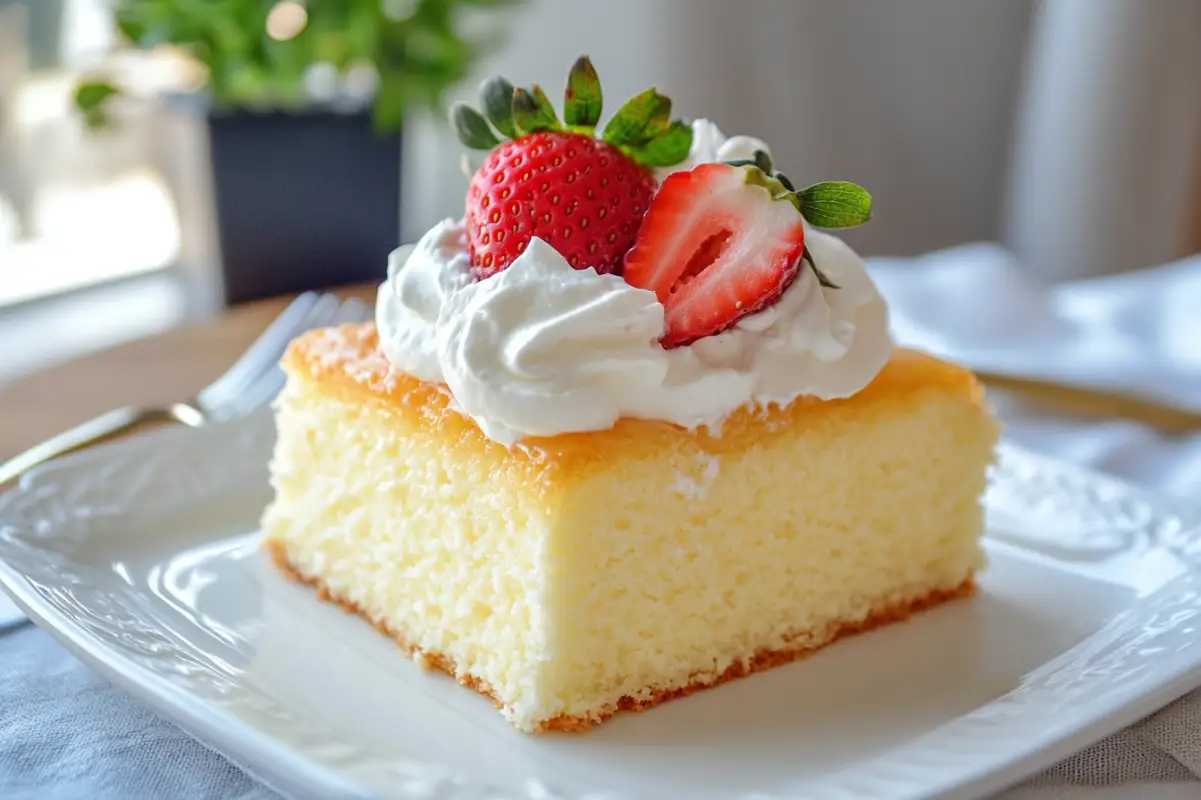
(829, 204)
(642, 128)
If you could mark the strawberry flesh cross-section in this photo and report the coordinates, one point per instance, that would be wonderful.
(714, 248)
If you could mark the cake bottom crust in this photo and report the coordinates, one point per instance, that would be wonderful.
(807, 643)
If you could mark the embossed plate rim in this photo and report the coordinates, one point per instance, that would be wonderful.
(292, 763)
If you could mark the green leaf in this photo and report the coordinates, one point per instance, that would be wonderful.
(471, 128)
(131, 28)
(418, 48)
(774, 184)
(663, 151)
(532, 111)
(582, 98)
(97, 119)
(496, 97)
(660, 117)
(835, 204)
(93, 94)
(387, 114)
(91, 99)
(640, 119)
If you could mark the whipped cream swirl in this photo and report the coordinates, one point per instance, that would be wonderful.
(542, 349)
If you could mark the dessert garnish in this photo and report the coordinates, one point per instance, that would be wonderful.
(583, 195)
(715, 243)
(725, 240)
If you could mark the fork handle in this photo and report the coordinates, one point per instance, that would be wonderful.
(110, 425)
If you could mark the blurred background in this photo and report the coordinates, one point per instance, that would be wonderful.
(161, 160)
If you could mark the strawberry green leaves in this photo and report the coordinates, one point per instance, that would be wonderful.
(532, 111)
(92, 99)
(512, 112)
(642, 128)
(582, 99)
(835, 204)
(471, 128)
(640, 119)
(670, 147)
(496, 97)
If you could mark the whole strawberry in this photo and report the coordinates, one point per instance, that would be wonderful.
(555, 180)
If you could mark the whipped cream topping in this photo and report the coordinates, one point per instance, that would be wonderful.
(420, 281)
(710, 145)
(542, 349)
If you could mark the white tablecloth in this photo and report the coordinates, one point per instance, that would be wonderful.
(65, 733)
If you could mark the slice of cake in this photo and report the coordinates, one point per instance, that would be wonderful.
(571, 577)
(621, 434)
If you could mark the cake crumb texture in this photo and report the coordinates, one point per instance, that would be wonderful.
(806, 645)
(572, 577)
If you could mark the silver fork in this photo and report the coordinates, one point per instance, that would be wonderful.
(252, 381)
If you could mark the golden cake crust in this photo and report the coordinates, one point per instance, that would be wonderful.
(809, 643)
(346, 363)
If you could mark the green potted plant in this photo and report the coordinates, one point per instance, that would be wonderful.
(305, 102)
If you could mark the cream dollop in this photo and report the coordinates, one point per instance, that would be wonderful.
(542, 349)
(420, 280)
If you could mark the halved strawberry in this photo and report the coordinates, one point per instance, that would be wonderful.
(715, 246)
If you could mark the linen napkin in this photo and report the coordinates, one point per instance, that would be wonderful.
(65, 733)
(1139, 332)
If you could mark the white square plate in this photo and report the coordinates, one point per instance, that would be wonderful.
(142, 559)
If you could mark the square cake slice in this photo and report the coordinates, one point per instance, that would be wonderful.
(571, 577)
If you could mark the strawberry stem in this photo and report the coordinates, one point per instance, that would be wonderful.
(822, 280)
(762, 161)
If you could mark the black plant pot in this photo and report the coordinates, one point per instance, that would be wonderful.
(304, 200)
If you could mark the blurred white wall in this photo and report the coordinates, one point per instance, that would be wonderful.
(915, 100)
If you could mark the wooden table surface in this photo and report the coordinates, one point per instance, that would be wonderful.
(162, 368)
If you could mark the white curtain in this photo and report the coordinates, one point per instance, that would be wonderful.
(1106, 174)
(931, 104)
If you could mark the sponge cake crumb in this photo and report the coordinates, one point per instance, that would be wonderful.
(572, 577)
